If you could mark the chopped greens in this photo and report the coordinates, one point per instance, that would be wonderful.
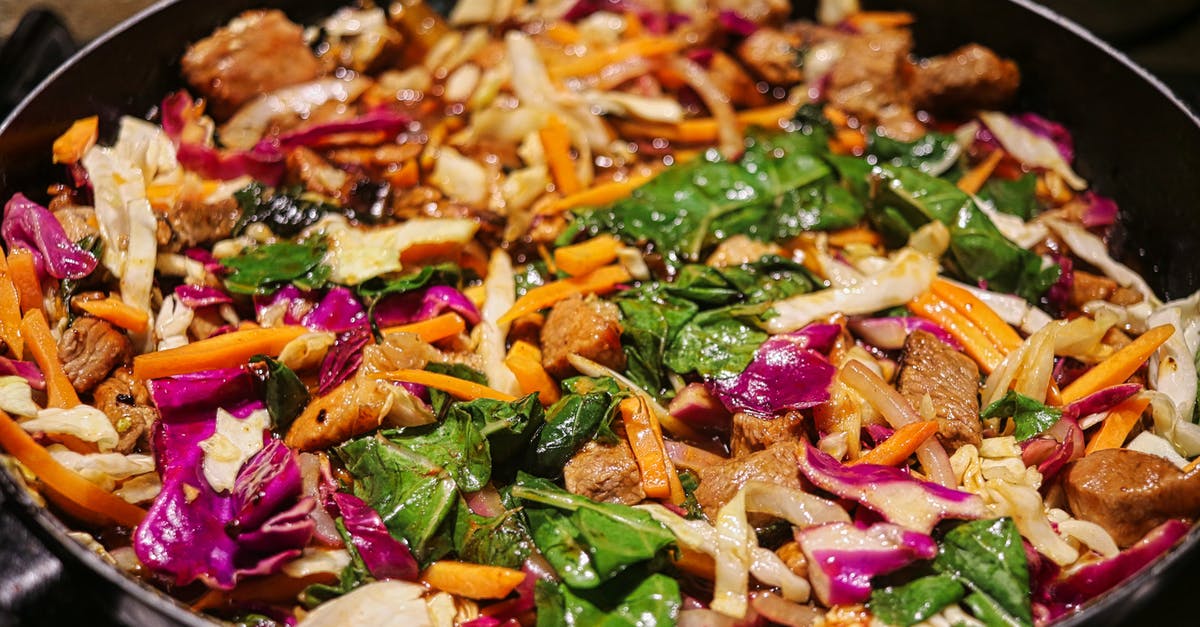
(264, 269)
(1030, 416)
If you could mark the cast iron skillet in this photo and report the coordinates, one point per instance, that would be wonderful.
(1136, 142)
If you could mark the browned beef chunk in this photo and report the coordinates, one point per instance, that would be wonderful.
(931, 367)
(773, 56)
(259, 51)
(870, 82)
(89, 349)
(78, 222)
(126, 402)
(1129, 493)
(590, 327)
(192, 223)
(751, 433)
(605, 472)
(970, 78)
(778, 464)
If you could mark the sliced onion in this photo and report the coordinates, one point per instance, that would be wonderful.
(729, 136)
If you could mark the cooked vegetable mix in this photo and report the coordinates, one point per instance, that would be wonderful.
(594, 313)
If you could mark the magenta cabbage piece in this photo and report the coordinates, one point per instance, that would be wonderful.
(890, 333)
(732, 22)
(1101, 210)
(424, 304)
(1054, 449)
(31, 226)
(901, 499)
(211, 265)
(381, 120)
(1053, 131)
(24, 369)
(385, 556)
(1059, 294)
(1102, 400)
(843, 557)
(1096, 578)
(343, 358)
(251, 530)
(337, 311)
(786, 373)
(262, 162)
(196, 296)
(585, 8)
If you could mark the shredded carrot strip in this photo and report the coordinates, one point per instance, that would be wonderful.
(547, 258)
(10, 311)
(115, 310)
(704, 130)
(525, 362)
(695, 563)
(836, 116)
(473, 581)
(223, 351)
(976, 344)
(896, 450)
(973, 180)
(1191, 465)
(408, 175)
(855, 235)
(432, 329)
(1118, 424)
(1003, 337)
(848, 141)
(563, 33)
(882, 20)
(459, 388)
(41, 345)
(70, 146)
(584, 257)
(601, 194)
(64, 487)
(598, 281)
(645, 438)
(1119, 366)
(23, 273)
(556, 143)
(593, 62)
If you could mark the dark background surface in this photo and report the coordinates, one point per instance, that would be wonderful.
(37, 589)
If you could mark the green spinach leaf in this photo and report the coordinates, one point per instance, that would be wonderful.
(1017, 197)
(502, 540)
(263, 269)
(716, 342)
(1030, 416)
(438, 274)
(455, 444)
(287, 210)
(988, 557)
(917, 601)
(631, 600)
(932, 153)
(572, 422)
(285, 394)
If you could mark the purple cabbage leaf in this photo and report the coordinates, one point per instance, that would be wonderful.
(31, 226)
(786, 372)
(843, 557)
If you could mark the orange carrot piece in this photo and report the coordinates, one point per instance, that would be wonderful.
(223, 351)
(1003, 337)
(593, 62)
(836, 116)
(598, 281)
(64, 487)
(41, 345)
(115, 310)
(584, 257)
(1119, 366)
(458, 388)
(10, 311)
(556, 144)
(695, 563)
(23, 273)
(525, 362)
(563, 33)
(70, 146)
(975, 343)
(973, 180)
(1118, 424)
(848, 141)
(896, 450)
(601, 194)
(704, 130)
(408, 175)
(432, 329)
(855, 235)
(473, 581)
(645, 438)
(880, 20)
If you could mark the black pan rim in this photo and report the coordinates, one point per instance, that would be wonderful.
(1132, 592)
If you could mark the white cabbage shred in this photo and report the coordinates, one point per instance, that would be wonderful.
(234, 441)
(82, 421)
(16, 397)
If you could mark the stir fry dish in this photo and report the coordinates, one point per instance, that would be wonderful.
(598, 312)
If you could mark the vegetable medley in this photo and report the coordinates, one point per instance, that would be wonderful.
(594, 312)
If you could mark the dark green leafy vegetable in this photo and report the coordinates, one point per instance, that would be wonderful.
(508, 427)
(587, 542)
(932, 153)
(1017, 197)
(285, 394)
(455, 444)
(988, 557)
(439, 274)
(263, 269)
(286, 210)
(633, 600)
(440, 401)
(352, 576)
(94, 245)
(908, 198)
(501, 540)
(716, 342)
(916, 601)
(1030, 416)
(577, 418)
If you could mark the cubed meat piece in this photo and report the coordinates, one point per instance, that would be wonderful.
(1129, 492)
(773, 56)
(1086, 287)
(78, 222)
(590, 327)
(191, 223)
(968, 79)
(751, 433)
(932, 367)
(870, 82)
(89, 350)
(258, 52)
(126, 402)
(778, 464)
(605, 472)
